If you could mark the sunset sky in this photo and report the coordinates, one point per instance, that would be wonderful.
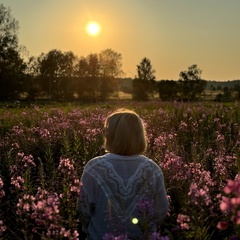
(173, 34)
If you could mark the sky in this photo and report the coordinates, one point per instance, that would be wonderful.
(172, 34)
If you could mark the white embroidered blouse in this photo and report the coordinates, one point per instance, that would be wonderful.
(112, 190)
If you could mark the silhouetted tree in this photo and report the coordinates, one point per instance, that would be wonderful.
(32, 82)
(8, 31)
(110, 67)
(55, 67)
(168, 90)
(110, 63)
(144, 83)
(227, 94)
(212, 88)
(97, 73)
(191, 84)
(88, 77)
(237, 90)
(12, 65)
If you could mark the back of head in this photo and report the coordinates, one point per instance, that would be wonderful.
(125, 133)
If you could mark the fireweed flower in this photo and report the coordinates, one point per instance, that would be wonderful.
(2, 193)
(159, 142)
(13, 169)
(226, 204)
(222, 225)
(67, 234)
(199, 195)
(222, 163)
(75, 235)
(17, 182)
(183, 221)
(145, 207)
(41, 132)
(109, 236)
(183, 126)
(15, 146)
(146, 216)
(157, 236)
(17, 131)
(66, 167)
(23, 164)
(237, 178)
(174, 166)
(43, 209)
(26, 161)
(231, 204)
(201, 185)
(2, 227)
(220, 138)
(163, 140)
(170, 204)
(75, 186)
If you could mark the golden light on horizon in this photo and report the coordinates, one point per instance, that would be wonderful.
(93, 28)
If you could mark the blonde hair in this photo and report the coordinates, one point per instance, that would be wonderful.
(125, 133)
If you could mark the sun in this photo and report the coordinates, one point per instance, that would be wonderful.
(93, 28)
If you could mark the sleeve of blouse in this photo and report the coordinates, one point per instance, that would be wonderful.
(161, 199)
(86, 205)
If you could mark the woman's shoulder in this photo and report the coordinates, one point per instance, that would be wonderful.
(95, 161)
(152, 163)
(148, 160)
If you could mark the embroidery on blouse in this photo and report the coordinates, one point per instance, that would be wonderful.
(130, 192)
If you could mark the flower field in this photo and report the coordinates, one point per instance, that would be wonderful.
(43, 151)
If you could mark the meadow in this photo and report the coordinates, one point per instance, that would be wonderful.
(43, 150)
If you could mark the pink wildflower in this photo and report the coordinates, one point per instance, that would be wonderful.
(232, 187)
(226, 204)
(222, 225)
(183, 220)
(17, 181)
(2, 193)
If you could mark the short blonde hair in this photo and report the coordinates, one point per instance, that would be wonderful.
(125, 133)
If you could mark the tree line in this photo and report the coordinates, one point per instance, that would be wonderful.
(58, 75)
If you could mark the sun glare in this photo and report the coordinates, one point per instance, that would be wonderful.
(93, 28)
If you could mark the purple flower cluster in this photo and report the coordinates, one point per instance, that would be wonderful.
(43, 209)
(17, 182)
(109, 236)
(25, 162)
(2, 228)
(154, 236)
(231, 204)
(201, 185)
(66, 167)
(2, 194)
(157, 236)
(183, 221)
(70, 179)
(177, 166)
(145, 208)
